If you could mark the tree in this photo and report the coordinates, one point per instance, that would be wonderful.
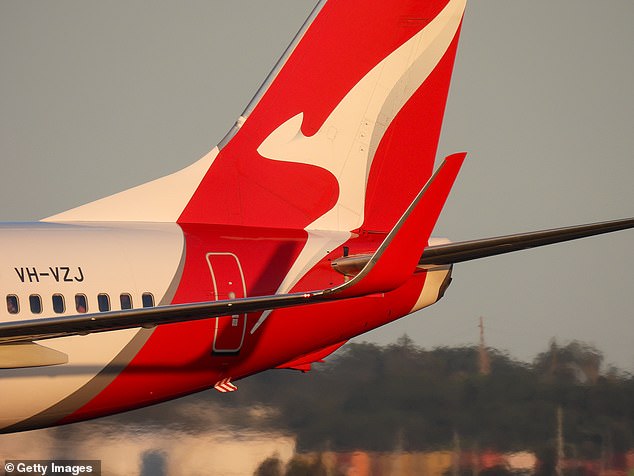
(271, 466)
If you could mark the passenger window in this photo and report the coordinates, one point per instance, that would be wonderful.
(35, 301)
(103, 300)
(13, 304)
(81, 303)
(148, 299)
(126, 301)
(58, 303)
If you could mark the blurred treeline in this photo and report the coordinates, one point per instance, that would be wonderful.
(403, 397)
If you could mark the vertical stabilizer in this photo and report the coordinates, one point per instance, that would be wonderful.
(342, 135)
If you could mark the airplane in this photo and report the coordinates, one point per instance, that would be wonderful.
(309, 224)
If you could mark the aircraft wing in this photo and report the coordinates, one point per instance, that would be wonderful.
(450, 253)
(81, 324)
(391, 265)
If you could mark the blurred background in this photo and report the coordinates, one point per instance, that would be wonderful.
(97, 97)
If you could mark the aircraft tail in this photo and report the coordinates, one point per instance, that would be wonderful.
(341, 136)
(388, 268)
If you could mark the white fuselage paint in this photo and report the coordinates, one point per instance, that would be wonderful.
(114, 259)
(159, 201)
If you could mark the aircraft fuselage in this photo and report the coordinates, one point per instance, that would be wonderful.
(52, 270)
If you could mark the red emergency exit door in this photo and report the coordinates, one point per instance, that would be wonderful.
(227, 281)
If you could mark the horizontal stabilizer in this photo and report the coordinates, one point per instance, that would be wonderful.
(469, 250)
(450, 253)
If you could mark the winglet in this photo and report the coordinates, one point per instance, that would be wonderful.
(397, 257)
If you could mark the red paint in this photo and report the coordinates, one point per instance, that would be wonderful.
(405, 157)
(256, 210)
(178, 358)
(345, 41)
(228, 283)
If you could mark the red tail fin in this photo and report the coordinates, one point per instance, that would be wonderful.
(342, 137)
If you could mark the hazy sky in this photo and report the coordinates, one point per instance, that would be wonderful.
(96, 97)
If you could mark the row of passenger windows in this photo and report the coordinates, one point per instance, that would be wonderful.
(81, 302)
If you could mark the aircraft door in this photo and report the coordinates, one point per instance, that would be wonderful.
(227, 283)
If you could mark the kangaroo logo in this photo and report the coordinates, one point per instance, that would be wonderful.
(346, 142)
